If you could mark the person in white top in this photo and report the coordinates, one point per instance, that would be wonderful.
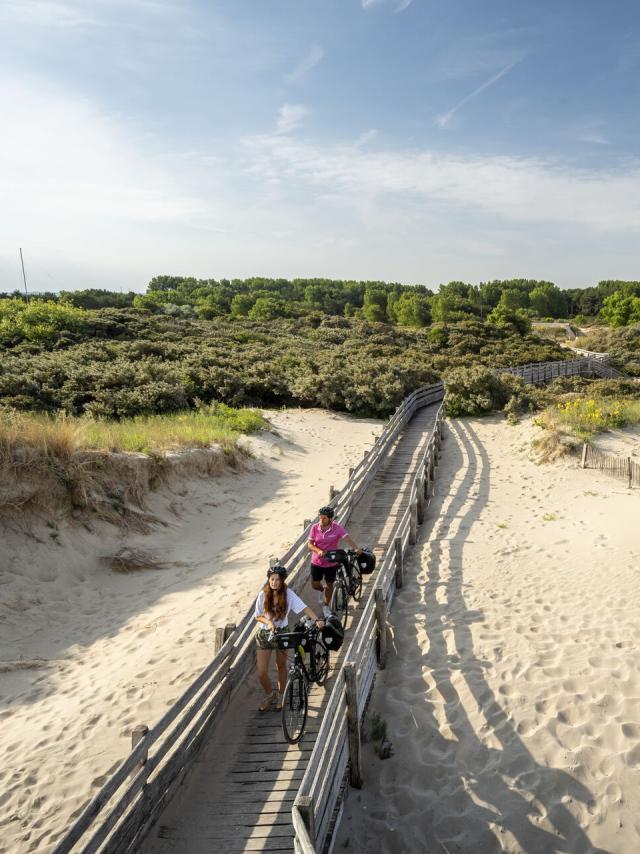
(273, 604)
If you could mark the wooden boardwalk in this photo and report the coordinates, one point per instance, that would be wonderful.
(240, 791)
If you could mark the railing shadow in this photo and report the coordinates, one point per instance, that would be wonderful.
(511, 789)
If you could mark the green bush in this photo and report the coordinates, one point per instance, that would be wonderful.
(37, 321)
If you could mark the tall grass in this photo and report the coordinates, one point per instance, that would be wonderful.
(578, 419)
(584, 417)
(60, 436)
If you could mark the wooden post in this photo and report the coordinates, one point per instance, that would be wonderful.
(353, 725)
(305, 807)
(351, 470)
(432, 468)
(332, 493)
(629, 472)
(229, 629)
(413, 523)
(306, 524)
(137, 734)
(381, 620)
(420, 506)
(218, 639)
(397, 543)
(584, 455)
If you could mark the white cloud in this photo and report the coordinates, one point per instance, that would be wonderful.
(444, 119)
(312, 58)
(366, 137)
(81, 14)
(402, 4)
(517, 190)
(290, 116)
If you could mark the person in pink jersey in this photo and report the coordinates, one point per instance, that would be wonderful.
(325, 536)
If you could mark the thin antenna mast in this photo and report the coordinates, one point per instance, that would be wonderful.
(26, 292)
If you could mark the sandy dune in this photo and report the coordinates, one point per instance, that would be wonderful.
(513, 696)
(86, 653)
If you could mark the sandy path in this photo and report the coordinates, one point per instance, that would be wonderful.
(86, 654)
(513, 699)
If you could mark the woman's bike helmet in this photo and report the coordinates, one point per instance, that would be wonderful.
(278, 569)
(327, 511)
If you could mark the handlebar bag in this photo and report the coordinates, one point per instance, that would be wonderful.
(291, 640)
(336, 556)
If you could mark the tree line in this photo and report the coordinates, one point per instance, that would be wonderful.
(513, 301)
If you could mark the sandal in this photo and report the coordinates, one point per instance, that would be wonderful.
(279, 704)
(265, 705)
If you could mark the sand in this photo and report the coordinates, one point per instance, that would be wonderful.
(512, 694)
(86, 653)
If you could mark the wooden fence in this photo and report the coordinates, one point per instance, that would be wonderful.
(544, 372)
(624, 467)
(124, 810)
(337, 746)
(591, 354)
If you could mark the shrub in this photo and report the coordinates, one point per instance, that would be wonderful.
(38, 321)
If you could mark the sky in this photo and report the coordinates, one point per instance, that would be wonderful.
(415, 141)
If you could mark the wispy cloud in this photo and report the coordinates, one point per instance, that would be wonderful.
(514, 189)
(366, 137)
(80, 14)
(290, 116)
(444, 118)
(400, 7)
(312, 58)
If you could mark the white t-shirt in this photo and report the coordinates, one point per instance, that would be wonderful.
(294, 603)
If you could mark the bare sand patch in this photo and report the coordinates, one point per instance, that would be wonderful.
(512, 697)
(102, 629)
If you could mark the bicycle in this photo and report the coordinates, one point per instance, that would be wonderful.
(348, 582)
(306, 638)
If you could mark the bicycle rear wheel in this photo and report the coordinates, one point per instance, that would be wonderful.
(340, 601)
(294, 707)
(321, 654)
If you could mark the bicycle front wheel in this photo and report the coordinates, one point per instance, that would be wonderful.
(356, 585)
(321, 654)
(340, 602)
(294, 707)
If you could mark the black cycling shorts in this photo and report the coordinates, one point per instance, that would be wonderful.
(326, 572)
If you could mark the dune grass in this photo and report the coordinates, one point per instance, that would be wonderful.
(61, 436)
(578, 420)
(585, 417)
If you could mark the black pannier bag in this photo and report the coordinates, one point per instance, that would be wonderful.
(366, 562)
(332, 633)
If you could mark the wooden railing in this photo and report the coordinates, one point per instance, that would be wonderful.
(591, 354)
(623, 467)
(121, 814)
(337, 746)
(544, 372)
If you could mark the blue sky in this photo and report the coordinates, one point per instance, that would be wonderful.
(405, 140)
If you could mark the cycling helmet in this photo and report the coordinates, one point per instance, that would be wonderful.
(327, 511)
(278, 569)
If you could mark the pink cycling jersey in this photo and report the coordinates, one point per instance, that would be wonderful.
(326, 540)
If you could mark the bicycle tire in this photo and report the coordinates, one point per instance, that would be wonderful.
(294, 707)
(356, 584)
(321, 654)
(340, 602)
